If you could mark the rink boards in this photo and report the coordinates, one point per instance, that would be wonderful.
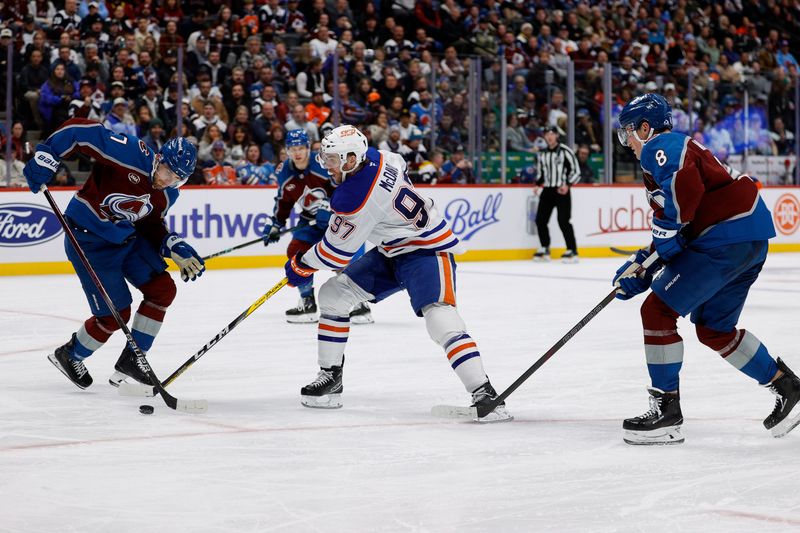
(494, 222)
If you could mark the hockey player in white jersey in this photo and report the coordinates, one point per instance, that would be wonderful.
(414, 246)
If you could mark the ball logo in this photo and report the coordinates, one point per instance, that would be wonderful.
(787, 214)
(467, 220)
(27, 225)
(120, 206)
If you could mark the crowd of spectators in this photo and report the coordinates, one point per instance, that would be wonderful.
(255, 69)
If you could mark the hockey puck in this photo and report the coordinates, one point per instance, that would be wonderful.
(146, 409)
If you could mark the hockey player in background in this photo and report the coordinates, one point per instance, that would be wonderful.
(302, 181)
(710, 231)
(376, 201)
(118, 219)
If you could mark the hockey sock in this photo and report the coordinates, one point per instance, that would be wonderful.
(306, 290)
(332, 334)
(741, 349)
(663, 347)
(158, 294)
(95, 332)
(464, 357)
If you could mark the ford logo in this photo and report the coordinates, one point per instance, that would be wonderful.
(27, 224)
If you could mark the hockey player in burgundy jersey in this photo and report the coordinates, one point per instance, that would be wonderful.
(710, 230)
(414, 249)
(118, 220)
(302, 181)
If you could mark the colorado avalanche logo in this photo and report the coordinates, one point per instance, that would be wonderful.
(120, 206)
(313, 198)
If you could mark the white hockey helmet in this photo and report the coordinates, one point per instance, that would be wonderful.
(338, 144)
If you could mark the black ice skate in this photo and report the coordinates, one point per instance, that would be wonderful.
(361, 314)
(484, 395)
(786, 415)
(304, 313)
(542, 255)
(75, 370)
(325, 392)
(570, 256)
(126, 367)
(660, 425)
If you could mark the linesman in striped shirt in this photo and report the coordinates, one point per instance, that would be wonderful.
(557, 170)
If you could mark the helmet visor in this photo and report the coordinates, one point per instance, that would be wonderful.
(328, 161)
(623, 134)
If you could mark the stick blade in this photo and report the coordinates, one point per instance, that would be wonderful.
(192, 406)
(454, 411)
(136, 389)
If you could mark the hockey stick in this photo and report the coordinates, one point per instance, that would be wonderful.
(453, 411)
(622, 251)
(187, 406)
(256, 241)
(138, 389)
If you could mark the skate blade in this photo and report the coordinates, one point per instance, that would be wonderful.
(541, 259)
(362, 319)
(302, 319)
(329, 401)
(570, 261)
(52, 359)
(659, 437)
(791, 421)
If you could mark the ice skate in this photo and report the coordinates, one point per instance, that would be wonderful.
(786, 415)
(361, 314)
(74, 369)
(569, 256)
(325, 392)
(660, 425)
(484, 395)
(304, 313)
(126, 367)
(542, 255)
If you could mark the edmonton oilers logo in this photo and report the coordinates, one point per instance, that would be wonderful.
(128, 207)
(27, 225)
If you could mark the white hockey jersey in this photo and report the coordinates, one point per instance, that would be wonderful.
(380, 205)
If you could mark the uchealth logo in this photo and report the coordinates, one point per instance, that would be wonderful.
(27, 225)
(466, 221)
(786, 214)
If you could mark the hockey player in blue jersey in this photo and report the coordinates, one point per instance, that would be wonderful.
(302, 181)
(710, 230)
(118, 220)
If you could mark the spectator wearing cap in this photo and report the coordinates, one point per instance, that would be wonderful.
(393, 142)
(426, 110)
(316, 110)
(31, 78)
(87, 7)
(85, 106)
(115, 90)
(784, 57)
(298, 121)
(156, 136)
(413, 151)
(219, 171)
(322, 45)
(119, 120)
(557, 170)
(457, 169)
(153, 100)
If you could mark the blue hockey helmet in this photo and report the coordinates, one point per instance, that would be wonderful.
(297, 138)
(651, 108)
(180, 156)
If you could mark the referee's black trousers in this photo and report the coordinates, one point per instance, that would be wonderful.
(549, 199)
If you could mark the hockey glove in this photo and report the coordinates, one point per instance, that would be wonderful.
(272, 232)
(667, 239)
(630, 280)
(297, 272)
(41, 168)
(323, 217)
(190, 263)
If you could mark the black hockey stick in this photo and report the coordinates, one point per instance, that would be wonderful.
(188, 406)
(622, 251)
(451, 411)
(138, 389)
(256, 241)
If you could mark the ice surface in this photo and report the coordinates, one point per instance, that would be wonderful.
(87, 461)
